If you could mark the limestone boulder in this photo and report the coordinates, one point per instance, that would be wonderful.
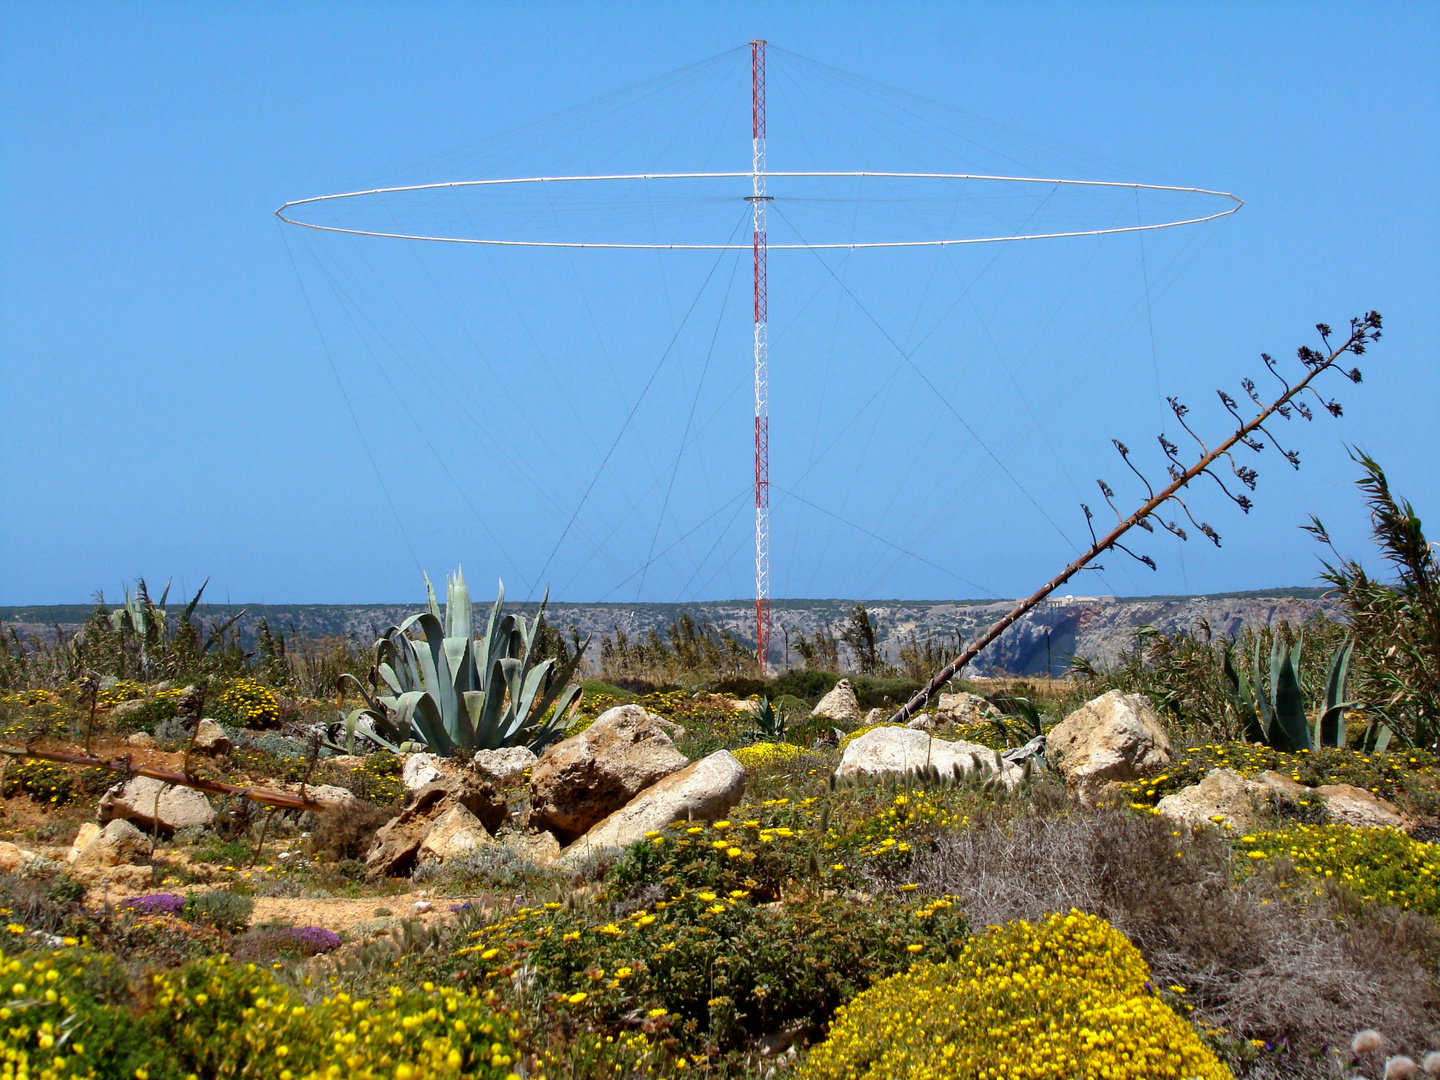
(154, 804)
(419, 770)
(87, 834)
(141, 740)
(894, 749)
(506, 765)
(332, 794)
(210, 738)
(839, 704)
(115, 857)
(1346, 804)
(582, 780)
(1112, 739)
(121, 709)
(13, 857)
(541, 848)
(1279, 784)
(703, 791)
(398, 844)
(922, 722)
(963, 708)
(1223, 794)
(454, 833)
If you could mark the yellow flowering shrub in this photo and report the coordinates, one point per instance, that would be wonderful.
(1063, 998)
(245, 703)
(123, 690)
(67, 1014)
(764, 755)
(1383, 865)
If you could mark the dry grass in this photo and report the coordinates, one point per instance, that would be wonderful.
(1259, 967)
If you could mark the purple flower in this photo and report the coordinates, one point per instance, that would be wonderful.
(310, 940)
(155, 904)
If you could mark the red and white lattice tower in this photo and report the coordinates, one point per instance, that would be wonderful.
(758, 199)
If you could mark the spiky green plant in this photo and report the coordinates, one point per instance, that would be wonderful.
(769, 722)
(1271, 704)
(440, 688)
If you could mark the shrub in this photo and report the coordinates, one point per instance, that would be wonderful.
(154, 904)
(717, 967)
(489, 866)
(267, 943)
(764, 755)
(1296, 977)
(378, 779)
(247, 704)
(1066, 997)
(43, 781)
(220, 1018)
(1381, 865)
(220, 908)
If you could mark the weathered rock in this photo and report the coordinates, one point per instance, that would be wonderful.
(1346, 804)
(506, 765)
(115, 857)
(964, 707)
(135, 801)
(1114, 738)
(122, 709)
(141, 740)
(398, 843)
(541, 848)
(210, 738)
(323, 793)
(13, 857)
(1280, 784)
(921, 722)
(419, 770)
(894, 749)
(1223, 793)
(83, 839)
(839, 704)
(454, 833)
(703, 791)
(874, 716)
(582, 780)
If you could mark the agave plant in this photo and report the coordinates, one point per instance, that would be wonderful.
(769, 722)
(1273, 709)
(440, 688)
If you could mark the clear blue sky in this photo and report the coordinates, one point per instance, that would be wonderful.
(183, 377)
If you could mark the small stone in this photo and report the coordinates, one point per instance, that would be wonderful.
(419, 770)
(83, 839)
(1223, 794)
(422, 906)
(210, 738)
(13, 857)
(541, 848)
(456, 832)
(112, 857)
(921, 722)
(141, 740)
(507, 764)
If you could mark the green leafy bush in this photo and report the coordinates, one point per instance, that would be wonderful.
(220, 908)
(1382, 865)
(43, 781)
(714, 967)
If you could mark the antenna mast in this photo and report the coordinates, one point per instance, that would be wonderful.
(758, 199)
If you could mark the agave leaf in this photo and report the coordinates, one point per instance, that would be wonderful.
(486, 733)
(418, 711)
(194, 601)
(458, 623)
(1237, 690)
(1263, 707)
(563, 674)
(487, 651)
(1330, 727)
(430, 600)
(1382, 740)
(530, 687)
(1289, 704)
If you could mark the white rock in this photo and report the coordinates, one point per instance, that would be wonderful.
(455, 832)
(541, 848)
(140, 739)
(111, 857)
(135, 801)
(1346, 804)
(1112, 739)
(964, 708)
(839, 704)
(703, 791)
(921, 722)
(507, 764)
(83, 839)
(893, 749)
(419, 770)
(1223, 793)
(13, 857)
(422, 906)
(210, 738)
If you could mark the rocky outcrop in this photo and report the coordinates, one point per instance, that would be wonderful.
(115, 857)
(1222, 794)
(541, 848)
(1112, 739)
(13, 857)
(398, 844)
(506, 765)
(1346, 804)
(703, 791)
(149, 803)
(839, 704)
(581, 781)
(905, 750)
